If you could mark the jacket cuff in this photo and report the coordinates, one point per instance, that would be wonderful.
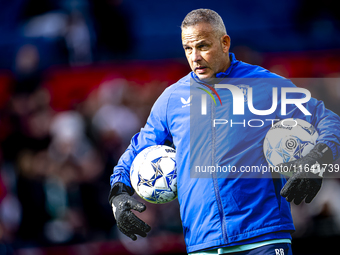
(323, 153)
(117, 189)
(334, 149)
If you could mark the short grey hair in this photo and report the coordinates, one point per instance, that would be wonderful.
(205, 16)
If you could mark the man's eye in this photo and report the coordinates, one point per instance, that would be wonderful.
(203, 47)
(188, 49)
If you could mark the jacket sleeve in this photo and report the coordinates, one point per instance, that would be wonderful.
(155, 132)
(326, 122)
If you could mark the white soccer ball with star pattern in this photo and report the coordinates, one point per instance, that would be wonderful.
(288, 140)
(153, 174)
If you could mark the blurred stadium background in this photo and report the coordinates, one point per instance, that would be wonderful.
(78, 79)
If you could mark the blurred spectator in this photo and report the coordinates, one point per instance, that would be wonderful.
(113, 117)
(27, 71)
(80, 166)
(69, 141)
(70, 29)
(78, 40)
(326, 210)
(30, 190)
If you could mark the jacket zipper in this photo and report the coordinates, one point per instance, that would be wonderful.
(214, 176)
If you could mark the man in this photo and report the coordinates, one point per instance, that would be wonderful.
(238, 213)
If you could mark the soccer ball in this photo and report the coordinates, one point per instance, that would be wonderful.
(288, 140)
(153, 174)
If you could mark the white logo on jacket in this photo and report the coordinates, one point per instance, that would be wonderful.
(186, 102)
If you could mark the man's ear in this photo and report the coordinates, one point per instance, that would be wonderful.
(225, 40)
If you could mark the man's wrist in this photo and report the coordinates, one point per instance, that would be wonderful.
(119, 188)
(323, 153)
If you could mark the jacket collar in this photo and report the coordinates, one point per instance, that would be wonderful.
(233, 61)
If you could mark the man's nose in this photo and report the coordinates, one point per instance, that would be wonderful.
(196, 56)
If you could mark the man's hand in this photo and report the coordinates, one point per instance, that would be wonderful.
(128, 223)
(306, 181)
(122, 203)
(301, 186)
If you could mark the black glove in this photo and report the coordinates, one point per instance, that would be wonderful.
(306, 180)
(122, 202)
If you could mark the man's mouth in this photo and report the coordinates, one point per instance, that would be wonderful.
(200, 69)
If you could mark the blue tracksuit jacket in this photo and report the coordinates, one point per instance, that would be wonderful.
(235, 208)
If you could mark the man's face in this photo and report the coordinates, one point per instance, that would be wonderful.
(207, 53)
